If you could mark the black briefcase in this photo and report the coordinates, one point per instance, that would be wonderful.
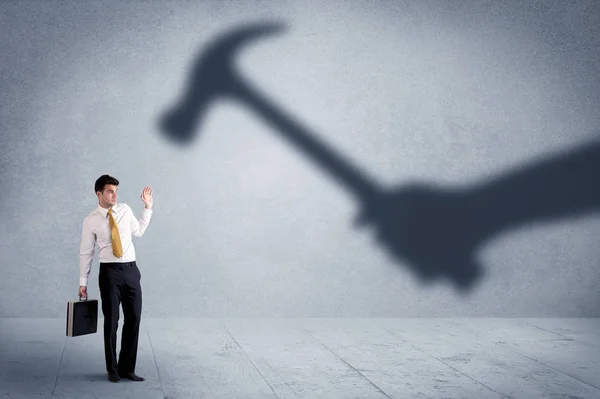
(82, 317)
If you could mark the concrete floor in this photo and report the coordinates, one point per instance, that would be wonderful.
(311, 358)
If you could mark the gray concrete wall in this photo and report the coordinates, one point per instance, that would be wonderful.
(471, 130)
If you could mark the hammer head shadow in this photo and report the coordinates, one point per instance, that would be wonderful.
(212, 76)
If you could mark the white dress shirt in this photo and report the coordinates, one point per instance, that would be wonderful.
(96, 231)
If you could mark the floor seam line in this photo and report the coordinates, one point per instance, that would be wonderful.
(545, 365)
(348, 364)
(250, 360)
(560, 335)
(452, 367)
(155, 361)
(59, 367)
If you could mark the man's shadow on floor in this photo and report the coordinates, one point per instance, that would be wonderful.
(435, 231)
(94, 377)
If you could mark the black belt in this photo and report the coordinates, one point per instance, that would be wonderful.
(118, 264)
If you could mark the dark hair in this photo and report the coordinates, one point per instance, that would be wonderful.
(104, 180)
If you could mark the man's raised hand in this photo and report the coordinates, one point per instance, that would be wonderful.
(147, 197)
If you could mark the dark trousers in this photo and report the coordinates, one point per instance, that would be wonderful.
(120, 284)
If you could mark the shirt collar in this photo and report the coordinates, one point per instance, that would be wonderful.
(104, 211)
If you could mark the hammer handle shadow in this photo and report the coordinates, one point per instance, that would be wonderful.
(341, 169)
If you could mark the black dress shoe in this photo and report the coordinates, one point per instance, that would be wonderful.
(113, 377)
(132, 377)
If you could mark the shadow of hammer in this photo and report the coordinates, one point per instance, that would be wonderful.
(214, 77)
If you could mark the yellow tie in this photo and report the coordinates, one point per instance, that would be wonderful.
(116, 238)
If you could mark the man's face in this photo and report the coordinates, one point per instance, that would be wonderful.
(108, 197)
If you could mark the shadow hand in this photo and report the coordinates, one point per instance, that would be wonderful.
(428, 229)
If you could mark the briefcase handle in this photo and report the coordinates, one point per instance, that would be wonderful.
(86, 298)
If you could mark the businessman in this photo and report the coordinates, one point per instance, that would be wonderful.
(110, 227)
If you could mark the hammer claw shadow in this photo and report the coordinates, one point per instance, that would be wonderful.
(434, 231)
